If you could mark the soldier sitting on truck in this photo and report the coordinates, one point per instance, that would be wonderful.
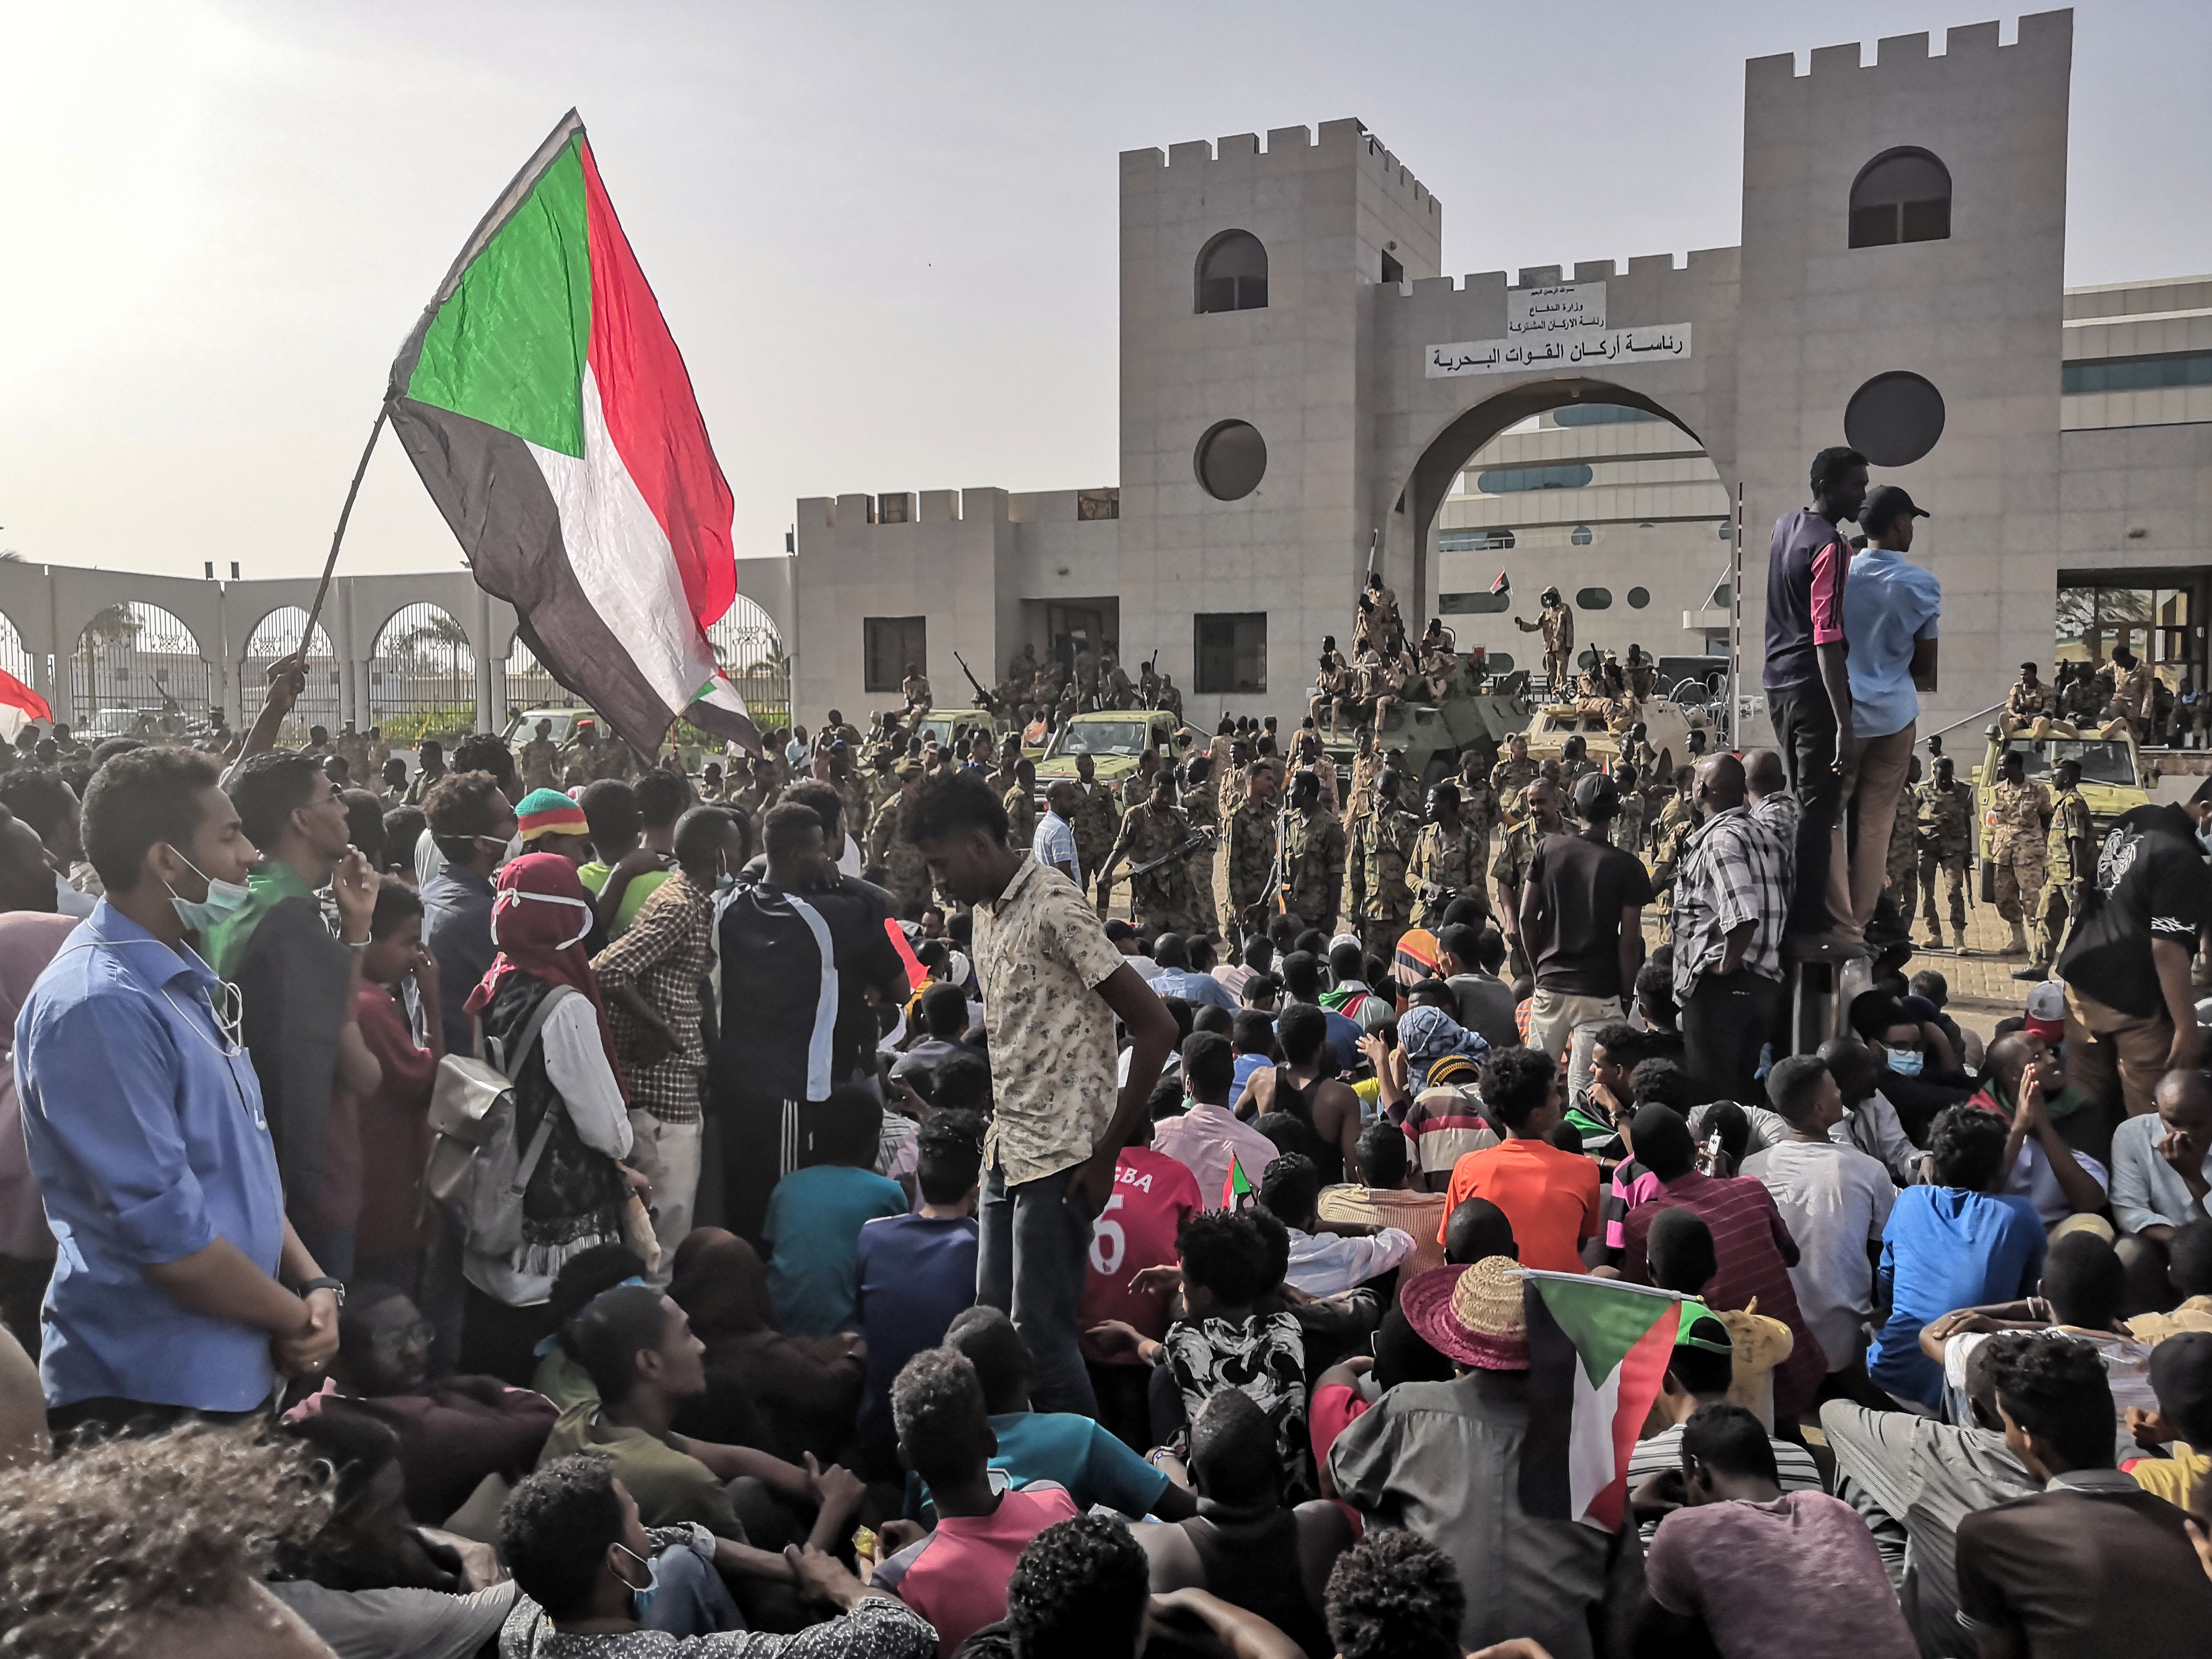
(1331, 683)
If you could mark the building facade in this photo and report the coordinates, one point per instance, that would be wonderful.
(1303, 395)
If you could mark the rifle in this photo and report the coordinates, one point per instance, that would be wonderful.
(984, 700)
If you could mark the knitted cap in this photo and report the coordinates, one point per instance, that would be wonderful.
(547, 811)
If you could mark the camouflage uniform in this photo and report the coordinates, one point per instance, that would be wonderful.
(1021, 818)
(1159, 899)
(1508, 778)
(539, 762)
(1361, 799)
(1095, 823)
(1136, 790)
(1313, 867)
(1199, 808)
(858, 815)
(1514, 854)
(2069, 823)
(1944, 823)
(2026, 702)
(1672, 829)
(1454, 863)
(1628, 828)
(907, 872)
(2021, 811)
(1248, 844)
(1381, 850)
(1902, 856)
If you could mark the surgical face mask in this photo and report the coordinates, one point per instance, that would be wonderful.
(640, 1599)
(550, 898)
(1905, 1062)
(2205, 835)
(725, 881)
(223, 897)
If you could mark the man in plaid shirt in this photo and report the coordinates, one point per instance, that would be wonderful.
(1731, 896)
(651, 977)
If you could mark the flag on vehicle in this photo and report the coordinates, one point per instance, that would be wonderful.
(549, 413)
(20, 705)
(1238, 1187)
(1598, 1349)
(1503, 585)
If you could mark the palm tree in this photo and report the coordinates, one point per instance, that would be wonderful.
(118, 624)
(438, 631)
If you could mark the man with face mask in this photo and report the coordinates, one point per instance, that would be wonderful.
(1731, 901)
(471, 821)
(2130, 1013)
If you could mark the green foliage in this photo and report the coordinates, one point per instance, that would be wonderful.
(447, 723)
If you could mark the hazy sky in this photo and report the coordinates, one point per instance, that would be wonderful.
(884, 235)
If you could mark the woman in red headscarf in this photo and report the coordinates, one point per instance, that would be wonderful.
(574, 1196)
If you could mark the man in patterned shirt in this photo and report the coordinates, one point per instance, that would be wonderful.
(1052, 986)
(650, 977)
(1731, 900)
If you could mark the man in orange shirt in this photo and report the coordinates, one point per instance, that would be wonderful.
(1550, 1196)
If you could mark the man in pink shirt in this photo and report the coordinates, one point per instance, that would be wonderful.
(1206, 1136)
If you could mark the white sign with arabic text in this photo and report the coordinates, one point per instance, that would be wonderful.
(1660, 343)
(1564, 308)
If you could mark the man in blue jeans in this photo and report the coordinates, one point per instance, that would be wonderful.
(1053, 985)
(1808, 692)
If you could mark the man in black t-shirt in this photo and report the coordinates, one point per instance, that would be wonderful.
(801, 951)
(2133, 940)
(1581, 909)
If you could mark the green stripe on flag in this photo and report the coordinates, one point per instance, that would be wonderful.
(508, 346)
(1601, 1322)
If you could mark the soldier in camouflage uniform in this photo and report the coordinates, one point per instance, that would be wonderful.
(2023, 811)
(1380, 854)
(1513, 773)
(1365, 763)
(1677, 816)
(1510, 868)
(1137, 787)
(1095, 821)
(1638, 751)
(1020, 802)
(1449, 859)
(1943, 821)
(1202, 809)
(1478, 807)
(1904, 851)
(1312, 855)
(1575, 763)
(1626, 830)
(1151, 832)
(2067, 858)
(1249, 842)
(907, 872)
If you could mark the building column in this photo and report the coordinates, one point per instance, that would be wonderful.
(488, 710)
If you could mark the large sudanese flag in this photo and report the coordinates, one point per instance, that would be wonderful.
(547, 409)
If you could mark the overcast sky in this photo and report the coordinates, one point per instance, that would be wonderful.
(883, 234)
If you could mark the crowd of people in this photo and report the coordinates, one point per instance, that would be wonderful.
(542, 1212)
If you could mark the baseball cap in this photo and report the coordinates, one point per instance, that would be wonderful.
(2046, 1010)
(1884, 504)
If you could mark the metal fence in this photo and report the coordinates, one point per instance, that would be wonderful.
(530, 684)
(14, 656)
(276, 637)
(422, 675)
(138, 667)
(750, 653)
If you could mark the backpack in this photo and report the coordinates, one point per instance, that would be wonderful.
(475, 1172)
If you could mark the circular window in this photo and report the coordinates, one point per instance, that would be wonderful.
(1638, 597)
(1583, 536)
(1894, 418)
(1594, 598)
(1231, 459)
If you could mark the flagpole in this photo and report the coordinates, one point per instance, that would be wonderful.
(338, 536)
(1735, 625)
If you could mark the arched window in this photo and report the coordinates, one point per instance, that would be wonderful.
(1901, 196)
(1232, 273)
(1583, 536)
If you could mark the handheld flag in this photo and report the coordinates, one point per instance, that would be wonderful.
(1238, 1187)
(1598, 1349)
(548, 412)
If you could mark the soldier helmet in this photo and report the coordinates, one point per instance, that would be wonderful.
(1550, 596)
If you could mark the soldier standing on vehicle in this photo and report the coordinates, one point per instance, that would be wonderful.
(2067, 858)
(1943, 814)
(1203, 810)
(2028, 699)
(1095, 821)
(1312, 857)
(1152, 833)
(1380, 852)
(1557, 624)
(1447, 858)
(1510, 868)
(1248, 835)
(2020, 809)
(1904, 850)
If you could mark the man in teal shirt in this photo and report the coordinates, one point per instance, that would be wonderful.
(298, 988)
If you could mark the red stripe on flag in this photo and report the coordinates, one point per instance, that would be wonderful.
(16, 695)
(915, 973)
(651, 412)
(1643, 1369)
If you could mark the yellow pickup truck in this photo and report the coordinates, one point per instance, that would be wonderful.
(2115, 778)
(1114, 737)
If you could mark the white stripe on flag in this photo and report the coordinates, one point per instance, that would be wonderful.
(622, 560)
(1590, 1466)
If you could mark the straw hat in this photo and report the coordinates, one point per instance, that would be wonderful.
(1473, 1314)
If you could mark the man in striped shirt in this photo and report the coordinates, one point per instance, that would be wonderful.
(1731, 899)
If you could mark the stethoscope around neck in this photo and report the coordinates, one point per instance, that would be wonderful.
(228, 1019)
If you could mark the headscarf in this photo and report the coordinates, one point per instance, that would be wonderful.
(29, 940)
(1428, 1034)
(721, 1286)
(539, 920)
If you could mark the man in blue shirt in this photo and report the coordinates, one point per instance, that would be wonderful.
(179, 1286)
(1177, 978)
(1890, 608)
(1054, 842)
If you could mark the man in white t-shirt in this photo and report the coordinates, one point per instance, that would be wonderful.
(1836, 1200)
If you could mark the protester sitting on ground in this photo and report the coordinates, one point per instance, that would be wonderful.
(1384, 1196)
(2161, 1182)
(1180, 977)
(573, 1537)
(1326, 1263)
(917, 1272)
(1395, 1595)
(1870, 1122)
(1753, 1250)
(1207, 1136)
(2025, 1084)
(1762, 1569)
(1442, 1460)
(1061, 1448)
(1550, 1196)
(1700, 1372)
(1470, 959)
(1914, 1057)
(582, 1279)
(1949, 1245)
(1153, 1195)
(2189, 1276)
(1446, 1119)
(1834, 1200)
(1245, 1545)
(815, 1216)
(1301, 1085)
(2180, 1426)
(1301, 974)
(1654, 1082)
(955, 1576)
(2079, 1295)
(1349, 1388)
(2132, 1582)
(944, 1012)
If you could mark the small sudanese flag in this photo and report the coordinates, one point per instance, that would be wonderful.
(1503, 585)
(1238, 1187)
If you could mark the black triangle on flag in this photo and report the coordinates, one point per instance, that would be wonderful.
(1503, 585)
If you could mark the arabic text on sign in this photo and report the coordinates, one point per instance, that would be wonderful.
(1563, 308)
(1662, 343)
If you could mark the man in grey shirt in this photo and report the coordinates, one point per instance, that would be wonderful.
(1469, 959)
(1913, 1480)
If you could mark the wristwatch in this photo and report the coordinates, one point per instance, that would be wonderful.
(308, 1287)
